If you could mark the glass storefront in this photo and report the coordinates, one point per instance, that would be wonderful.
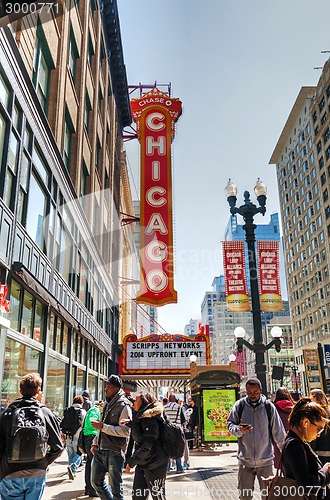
(92, 383)
(56, 387)
(19, 360)
(80, 382)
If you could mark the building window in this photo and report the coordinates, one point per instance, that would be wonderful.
(326, 136)
(319, 147)
(327, 153)
(22, 194)
(324, 117)
(83, 185)
(63, 250)
(41, 69)
(314, 116)
(100, 99)
(88, 109)
(322, 104)
(10, 179)
(90, 51)
(36, 211)
(4, 92)
(67, 139)
(321, 162)
(98, 155)
(325, 195)
(73, 56)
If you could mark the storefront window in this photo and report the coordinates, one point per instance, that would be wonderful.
(92, 380)
(55, 390)
(80, 382)
(27, 314)
(19, 360)
(38, 322)
(64, 346)
(51, 331)
(58, 336)
(83, 343)
(15, 298)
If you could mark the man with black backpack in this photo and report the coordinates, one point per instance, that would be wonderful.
(30, 440)
(71, 426)
(256, 423)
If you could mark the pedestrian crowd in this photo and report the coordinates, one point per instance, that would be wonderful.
(111, 436)
(283, 444)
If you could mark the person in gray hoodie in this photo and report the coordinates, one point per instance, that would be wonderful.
(256, 423)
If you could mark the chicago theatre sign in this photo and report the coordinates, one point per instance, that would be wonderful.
(155, 114)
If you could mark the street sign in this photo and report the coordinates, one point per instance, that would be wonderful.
(313, 369)
(327, 354)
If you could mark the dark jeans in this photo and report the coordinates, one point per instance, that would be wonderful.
(108, 461)
(149, 481)
(129, 450)
(87, 440)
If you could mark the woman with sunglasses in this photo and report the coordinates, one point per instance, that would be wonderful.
(306, 421)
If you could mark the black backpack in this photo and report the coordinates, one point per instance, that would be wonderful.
(28, 435)
(71, 421)
(172, 439)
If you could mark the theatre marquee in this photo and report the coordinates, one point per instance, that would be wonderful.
(163, 353)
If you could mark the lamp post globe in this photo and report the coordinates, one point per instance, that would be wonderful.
(239, 332)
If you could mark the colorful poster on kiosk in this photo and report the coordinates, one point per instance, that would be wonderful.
(217, 404)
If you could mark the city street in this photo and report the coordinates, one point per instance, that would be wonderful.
(213, 475)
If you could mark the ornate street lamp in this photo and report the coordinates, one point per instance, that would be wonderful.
(248, 210)
(259, 348)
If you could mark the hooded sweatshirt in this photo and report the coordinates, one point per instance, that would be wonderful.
(255, 448)
(149, 453)
(54, 438)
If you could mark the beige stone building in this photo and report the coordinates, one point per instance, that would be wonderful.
(302, 158)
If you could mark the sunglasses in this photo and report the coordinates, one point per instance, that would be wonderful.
(319, 429)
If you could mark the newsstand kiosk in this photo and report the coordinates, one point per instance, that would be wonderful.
(214, 390)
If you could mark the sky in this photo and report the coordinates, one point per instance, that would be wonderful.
(237, 66)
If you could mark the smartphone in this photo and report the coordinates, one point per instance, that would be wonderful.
(245, 426)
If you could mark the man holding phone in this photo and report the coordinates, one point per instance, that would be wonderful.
(255, 422)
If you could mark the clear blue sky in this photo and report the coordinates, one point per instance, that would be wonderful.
(237, 68)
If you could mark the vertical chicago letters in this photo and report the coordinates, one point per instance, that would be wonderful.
(155, 114)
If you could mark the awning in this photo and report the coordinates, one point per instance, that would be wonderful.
(24, 275)
(216, 378)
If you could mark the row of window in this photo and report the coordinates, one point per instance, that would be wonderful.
(30, 186)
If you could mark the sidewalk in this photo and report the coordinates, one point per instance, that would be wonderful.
(212, 475)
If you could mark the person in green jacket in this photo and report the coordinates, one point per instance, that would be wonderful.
(88, 435)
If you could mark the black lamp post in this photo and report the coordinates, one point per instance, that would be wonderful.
(248, 210)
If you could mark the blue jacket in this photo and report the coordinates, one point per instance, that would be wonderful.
(255, 448)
